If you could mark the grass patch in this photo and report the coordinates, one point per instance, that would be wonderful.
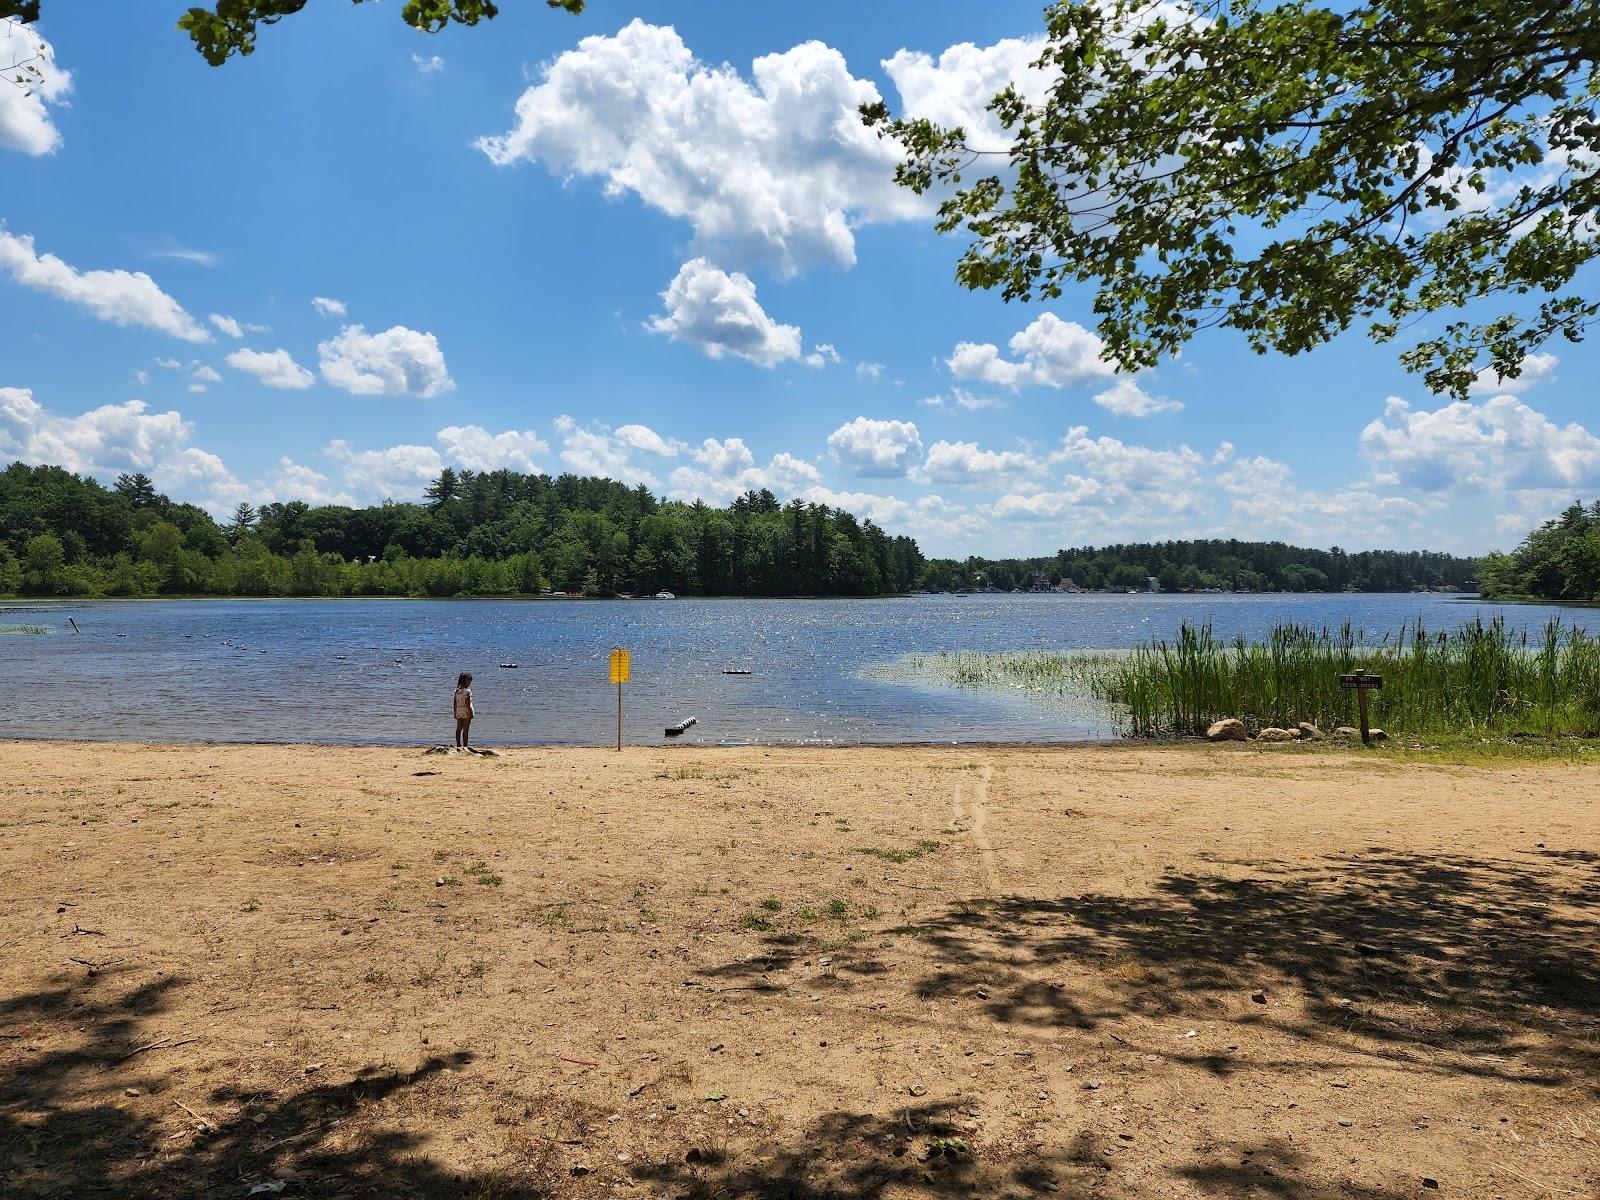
(925, 846)
(1479, 681)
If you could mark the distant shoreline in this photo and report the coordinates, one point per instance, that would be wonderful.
(513, 596)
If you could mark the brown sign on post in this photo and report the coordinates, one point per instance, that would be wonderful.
(1362, 683)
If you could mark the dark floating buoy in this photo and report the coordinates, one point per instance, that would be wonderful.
(675, 730)
(734, 671)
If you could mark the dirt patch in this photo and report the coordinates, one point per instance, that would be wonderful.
(862, 974)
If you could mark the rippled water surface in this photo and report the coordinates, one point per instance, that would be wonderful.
(384, 670)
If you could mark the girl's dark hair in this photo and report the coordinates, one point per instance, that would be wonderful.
(463, 679)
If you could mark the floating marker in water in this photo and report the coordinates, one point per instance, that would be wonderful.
(675, 730)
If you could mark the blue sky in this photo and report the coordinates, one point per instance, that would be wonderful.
(652, 242)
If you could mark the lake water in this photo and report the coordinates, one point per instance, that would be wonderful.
(382, 671)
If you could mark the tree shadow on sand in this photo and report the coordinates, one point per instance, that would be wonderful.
(1490, 958)
(67, 1128)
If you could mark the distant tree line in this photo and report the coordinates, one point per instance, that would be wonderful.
(1560, 560)
(1211, 564)
(478, 533)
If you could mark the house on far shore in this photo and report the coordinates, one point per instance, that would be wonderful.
(1039, 582)
(1153, 582)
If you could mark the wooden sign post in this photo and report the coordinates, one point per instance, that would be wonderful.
(1362, 683)
(619, 676)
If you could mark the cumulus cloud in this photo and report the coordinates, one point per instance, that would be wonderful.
(821, 355)
(400, 472)
(227, 325)
(1536, 368)
(396, 362)
(597, 451)
(328, 307)
(717, 313)
(114, 438)
(205, 374)
(26, 120)
(777, 169)
(1126, 398)
(642, 437)
(428, 65)
(954, 90)
(969, 465)
(296, 481)
(1107, 471)
(727, 469)
(1050, 352)
(1500, 444)
(476, 449)
(869, 370)
(275, 368)
(1267, 501)
(872, 447)
(930, 517)
(121, 297)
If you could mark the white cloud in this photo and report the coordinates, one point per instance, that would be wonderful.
(968, 465)
(598, 452)
(169, 364)
(1107, 471)
(328, 307)
(227, 324)
(121, 297)
(200, 258)
(871, 447)
(1268, 503)
(642, 437)
(114, 438)
(821, 355)
(141, 376)
(396, 362)
(869, 370)
(728, 470)
(1536, 369)
(296, 481)
(962, 399)
(929, 517)
(717, 313)
(476, 449)
(955, 89)
(205, 374)
(1500, 444)
(26, 123)
(275, 368)
(197, 387)
(1126, 398)
(399, 472)
(428, 65)
(776, 170)
(1049, 352)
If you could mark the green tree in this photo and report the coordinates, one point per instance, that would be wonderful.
(138, 490)
(43, 559)
(1290, 169)
(10, 572)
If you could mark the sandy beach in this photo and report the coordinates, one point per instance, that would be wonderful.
(747, 972)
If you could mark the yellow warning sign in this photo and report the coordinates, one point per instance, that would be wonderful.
(619, 666)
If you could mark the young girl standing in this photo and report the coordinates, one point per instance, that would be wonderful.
(463, 711)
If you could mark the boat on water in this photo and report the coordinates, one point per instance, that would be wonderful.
(665, 596)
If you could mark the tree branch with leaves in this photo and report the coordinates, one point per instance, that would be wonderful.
(230, 27)
(1289, 171)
